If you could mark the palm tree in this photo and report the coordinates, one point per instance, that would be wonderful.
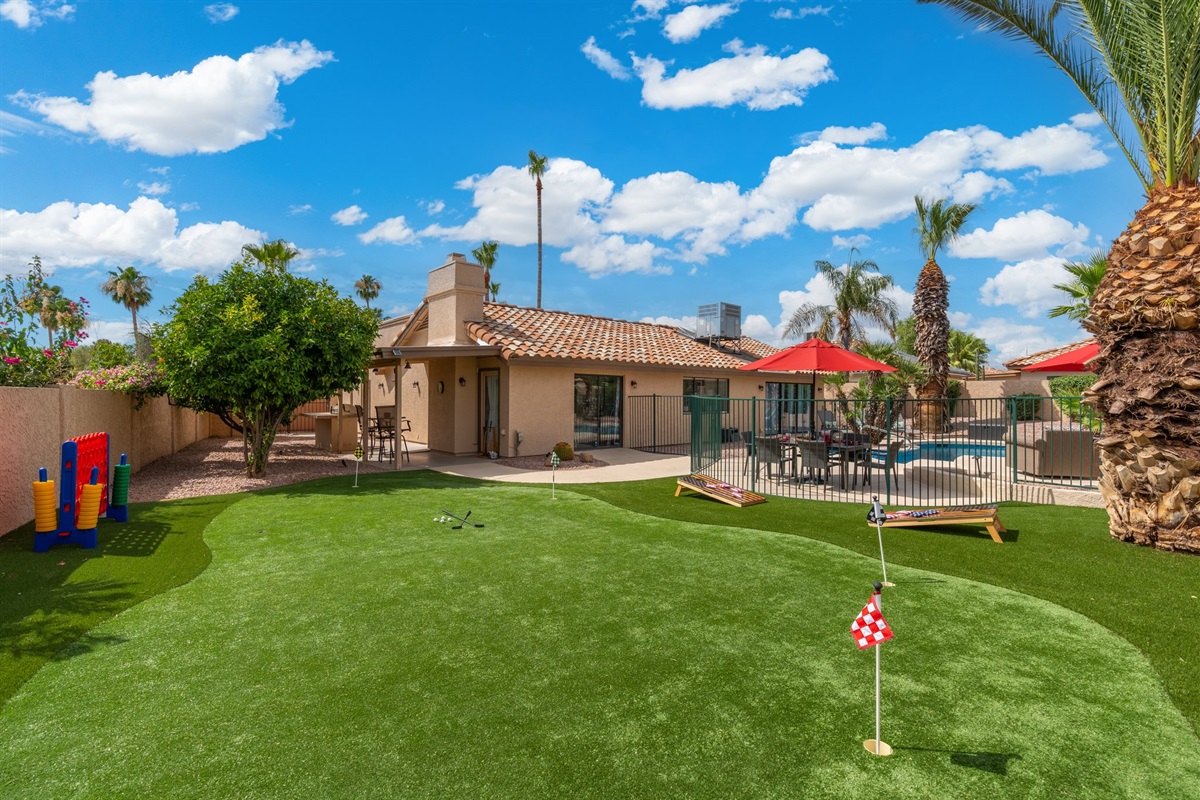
(967, 351)
(495, 289)
(537, 168)
(367, 287)
(485, 256)
(938, 224)
(1086, 277)
(1137, 62)
(129, 288)
(273, 255)
(858, 292)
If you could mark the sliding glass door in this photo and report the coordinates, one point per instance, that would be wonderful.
(597, 411)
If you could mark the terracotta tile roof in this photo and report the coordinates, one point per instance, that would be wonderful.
(539, 333)
(1033, 358)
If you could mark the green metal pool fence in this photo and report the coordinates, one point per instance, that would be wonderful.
(945, 452)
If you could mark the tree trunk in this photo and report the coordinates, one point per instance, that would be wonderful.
(930, 304)
(539, 199)
(1145, 316)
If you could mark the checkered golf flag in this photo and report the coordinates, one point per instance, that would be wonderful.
(870, 628)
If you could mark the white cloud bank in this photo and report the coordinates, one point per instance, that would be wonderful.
(1027, 285)
(221, 12)
(605, 60)
(351, 215)
(67, 234)
(219, 105)
(749, 77)
(28, 15)
(1028, 234)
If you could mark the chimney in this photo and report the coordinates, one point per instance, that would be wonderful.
(455, 297)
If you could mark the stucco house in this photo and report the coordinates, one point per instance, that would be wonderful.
(479, 377)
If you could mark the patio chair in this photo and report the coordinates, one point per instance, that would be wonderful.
(748, 440)
(813, 458)
(385, 430)
(860, 459)
(887, 464)
(770, 455)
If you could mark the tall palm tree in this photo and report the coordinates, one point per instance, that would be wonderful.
(273, 255)
(1086, 277)
(367, 287)
(938, 224)
(537, 168)
(485, 256)
(495, 290)
(1137, 62)
(858, 293)
(129, 288)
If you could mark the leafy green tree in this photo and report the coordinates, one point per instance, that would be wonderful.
(129, 288)
(537, 168)
(257, 343)
(485, 256)
(275, 255)
(858, 293)
(102, 354)
(1085, 280)
(367, 287)
(22, 305)
(1137, 62)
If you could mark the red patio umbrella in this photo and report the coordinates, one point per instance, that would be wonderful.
(818, 357)
(1070, 362)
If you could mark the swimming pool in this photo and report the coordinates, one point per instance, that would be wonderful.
(945, 451)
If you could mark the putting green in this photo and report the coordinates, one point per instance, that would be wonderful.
(345, 645)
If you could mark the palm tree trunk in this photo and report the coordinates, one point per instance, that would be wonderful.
(1145, 316)
(930, 304)
(539, 201)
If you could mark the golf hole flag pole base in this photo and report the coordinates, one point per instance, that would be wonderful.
(554, 462)
(870, 629)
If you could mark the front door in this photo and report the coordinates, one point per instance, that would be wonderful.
(489, 411)
(597, 411)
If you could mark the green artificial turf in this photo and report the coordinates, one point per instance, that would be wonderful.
(342, 644)
(1057, 553)
(52, 600)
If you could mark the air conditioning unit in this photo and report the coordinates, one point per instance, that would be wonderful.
(719, 321)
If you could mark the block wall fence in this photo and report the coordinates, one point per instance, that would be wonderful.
(35, 422)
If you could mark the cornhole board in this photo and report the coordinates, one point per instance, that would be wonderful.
(718, 490)
(988, 517)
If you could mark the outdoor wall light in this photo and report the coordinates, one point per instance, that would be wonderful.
(416, 384)
(760, 387)
(462, 381)
(633, 384)
(407, 365)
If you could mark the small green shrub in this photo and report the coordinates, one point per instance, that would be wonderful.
(1026, 407)
(564, 451)
(1071, 385)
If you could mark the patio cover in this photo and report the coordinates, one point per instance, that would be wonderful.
(1070, 362)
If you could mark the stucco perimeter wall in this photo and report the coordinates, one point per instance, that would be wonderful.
(36, 422)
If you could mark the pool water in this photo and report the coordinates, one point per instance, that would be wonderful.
(945, 451)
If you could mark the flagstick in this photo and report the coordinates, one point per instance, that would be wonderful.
(877, 745)
(879, 515)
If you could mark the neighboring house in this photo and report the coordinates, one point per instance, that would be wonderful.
(479, 377)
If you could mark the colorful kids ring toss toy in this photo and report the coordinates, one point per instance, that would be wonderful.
(81, 495)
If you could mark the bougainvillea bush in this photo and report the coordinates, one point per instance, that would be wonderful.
(24, 307)
(139, 381)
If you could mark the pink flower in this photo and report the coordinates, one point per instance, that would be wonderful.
(69, 343)
(48, 353)
(12, 360)
(99, 383)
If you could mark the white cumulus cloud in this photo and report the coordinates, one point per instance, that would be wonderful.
(219, 105)
(351, 215)
(1027, 285)
(859, 241)
(605, 60)
(693, 20)
(154, 188)
(1056, 150)
(1010, 340)
(27, 15)
(394, 230)
(70, 234)
(1027, 235)
(749, 77)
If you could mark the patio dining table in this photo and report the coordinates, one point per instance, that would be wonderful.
(845, 453)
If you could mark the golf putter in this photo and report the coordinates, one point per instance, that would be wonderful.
(463, 520)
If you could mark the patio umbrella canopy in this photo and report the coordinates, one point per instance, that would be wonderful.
(819, 357)
(1070, 362)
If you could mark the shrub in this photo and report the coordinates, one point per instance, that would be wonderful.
(1026, 407)
(564, 451)
(1067, 388)
(139, 381)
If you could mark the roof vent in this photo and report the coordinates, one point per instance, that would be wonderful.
(719, 321)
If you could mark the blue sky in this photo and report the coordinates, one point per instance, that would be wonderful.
(699, 153)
